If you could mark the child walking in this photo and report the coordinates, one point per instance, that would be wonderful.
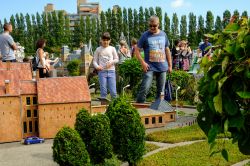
(105, 58)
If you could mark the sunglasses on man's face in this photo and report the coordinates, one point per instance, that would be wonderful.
(152, 26)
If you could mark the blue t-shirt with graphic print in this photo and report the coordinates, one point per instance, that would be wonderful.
(154, 50)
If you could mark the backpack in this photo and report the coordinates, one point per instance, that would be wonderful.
(35, 62)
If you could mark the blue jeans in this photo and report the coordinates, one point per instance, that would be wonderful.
(107, 80)
(147, 82)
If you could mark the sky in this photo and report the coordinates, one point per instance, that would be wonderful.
(181, 7)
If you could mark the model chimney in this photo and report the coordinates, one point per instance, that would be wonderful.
(8, 65)
(7, 86)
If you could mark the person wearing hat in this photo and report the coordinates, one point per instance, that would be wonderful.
(105, 58)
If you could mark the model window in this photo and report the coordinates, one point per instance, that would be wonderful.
(30, 126)
(28, 100)
(34, 100)
(35, 113)
(28, 113)
(171, 116)
(36, 126)
(153, 120)
(24, 127)
(146, 121)
(160, 119)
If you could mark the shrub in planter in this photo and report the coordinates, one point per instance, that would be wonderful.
(96, 133)
(128, 133)
(69, 149)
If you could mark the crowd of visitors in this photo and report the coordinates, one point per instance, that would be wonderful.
(158, 59)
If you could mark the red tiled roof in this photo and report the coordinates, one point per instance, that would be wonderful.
(28, 87)
(15, 73)
(63, 90)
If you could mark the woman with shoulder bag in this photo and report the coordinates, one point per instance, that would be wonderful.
(43, 72)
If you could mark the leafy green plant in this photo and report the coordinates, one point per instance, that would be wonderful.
(130, 70)
(96, 133)
(224, 90)
(128, 133)
(74, 67)
(69, 149)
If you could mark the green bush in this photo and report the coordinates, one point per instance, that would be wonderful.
(224, 90)
(128, 133)
(96, 133)
(100, 144)
(131, 72)
(74, 67)
(69, 149)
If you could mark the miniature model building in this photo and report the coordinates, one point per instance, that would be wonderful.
(158, 114)
(30, 107)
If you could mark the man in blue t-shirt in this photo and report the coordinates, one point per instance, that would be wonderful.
(205, 48)
(157, 58)
(7, 44)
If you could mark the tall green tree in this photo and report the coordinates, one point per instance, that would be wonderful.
(183, 27)
(82, 37)
(114, 30)
(103, 24)
(151, 11)
(94, 32)
(141, 21)
(237, 15)
(120, 30)
(218, 25)
(226, 18)
(130, 23)
(39, 25)
(175, 27)
(88, 29)
(76, 36)
(244, 14)
(167, 26)
(45, 28)
(192, 38)
(147, 16)
(108, 20)
(34, 27)
(60, 29)
(209, 22)
(201, 29)
(125, 23)
(158, 13)
(136, 25)
(29, 40)
(67, 33)
(51, 40)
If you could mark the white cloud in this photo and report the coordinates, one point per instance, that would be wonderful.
(179, 4)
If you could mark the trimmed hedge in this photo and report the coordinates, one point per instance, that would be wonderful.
(69, 149)
(128, 133)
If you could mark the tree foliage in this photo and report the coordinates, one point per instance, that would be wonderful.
(224, 90)
(74, 67)
(69, 149)
(96, 134)
(128, 133)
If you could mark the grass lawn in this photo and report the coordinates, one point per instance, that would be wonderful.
(188, 133)
(196, 154)
(151, 147)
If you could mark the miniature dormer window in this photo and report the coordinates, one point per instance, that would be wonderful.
(27, 100)
(153, 120)
(160, 119)
(146, 121)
